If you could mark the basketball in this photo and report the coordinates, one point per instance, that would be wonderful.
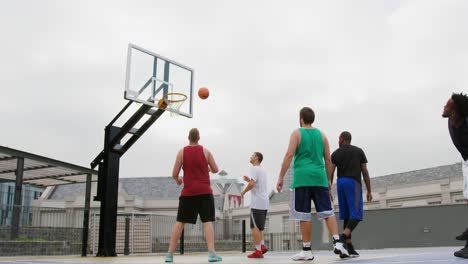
(203, 93)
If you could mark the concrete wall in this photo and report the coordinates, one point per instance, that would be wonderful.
(39, 248)
(429, 226)
(383, 228)
(41, 241)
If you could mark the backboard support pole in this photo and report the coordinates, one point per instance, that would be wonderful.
(109, 195)
(108, 161)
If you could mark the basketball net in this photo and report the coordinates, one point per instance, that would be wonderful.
(173, 101)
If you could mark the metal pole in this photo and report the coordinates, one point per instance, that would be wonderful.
(84, 242)
(109, 170)
(271, 242)
(133, 233)
(15, 220)
(243, 236)
(127, 236)
(94, 233)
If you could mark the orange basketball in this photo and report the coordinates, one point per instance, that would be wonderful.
(203, 93)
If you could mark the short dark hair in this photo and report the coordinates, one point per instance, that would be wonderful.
(346, 136)
(259, 156)
(307, 115)
(461, 104)
(194, 135)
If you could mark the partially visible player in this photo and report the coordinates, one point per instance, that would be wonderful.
(456, 110)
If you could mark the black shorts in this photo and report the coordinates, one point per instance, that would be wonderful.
(191, 206)
(258, 218)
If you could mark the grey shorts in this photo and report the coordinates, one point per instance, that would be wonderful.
(258, 218)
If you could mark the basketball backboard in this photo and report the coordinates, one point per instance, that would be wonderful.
(151, 76)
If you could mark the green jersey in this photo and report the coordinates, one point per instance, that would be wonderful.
(309, 166)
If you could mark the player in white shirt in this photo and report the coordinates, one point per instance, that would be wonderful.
(257, 184)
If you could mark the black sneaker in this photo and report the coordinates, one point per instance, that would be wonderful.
(352, 253)
(462, 253)
(463, 236)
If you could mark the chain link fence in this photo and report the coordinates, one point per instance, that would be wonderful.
(56, 231)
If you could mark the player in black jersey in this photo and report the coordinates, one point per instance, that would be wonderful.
(456, 110)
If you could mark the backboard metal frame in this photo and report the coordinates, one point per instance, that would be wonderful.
(164, 84)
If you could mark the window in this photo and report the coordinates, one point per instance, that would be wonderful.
(10, 195)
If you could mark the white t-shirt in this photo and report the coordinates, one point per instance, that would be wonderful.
(259, 193)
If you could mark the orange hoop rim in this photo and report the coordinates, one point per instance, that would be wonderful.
(171, 101)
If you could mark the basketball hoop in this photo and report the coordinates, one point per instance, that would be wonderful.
(172, 102)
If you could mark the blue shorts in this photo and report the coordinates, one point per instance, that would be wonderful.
(301, 206)
(349, 199)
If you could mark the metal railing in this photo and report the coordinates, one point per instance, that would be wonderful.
(58, 231)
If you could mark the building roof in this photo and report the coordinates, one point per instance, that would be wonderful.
(280, 197)
(225, 184)
(151, 187)
(147, 187)
(453, 171)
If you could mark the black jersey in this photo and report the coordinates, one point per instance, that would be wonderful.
(348, 160)
(460, 137)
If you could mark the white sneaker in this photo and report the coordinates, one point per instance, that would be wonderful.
(339, 248)
(303, 255)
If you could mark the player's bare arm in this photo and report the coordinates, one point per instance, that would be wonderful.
(293, 143)
(249, 187)
(327, 159)
(333, 168)
(365, 175)
(177, 167)
(213, 167)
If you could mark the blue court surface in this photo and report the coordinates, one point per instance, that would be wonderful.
(384, 256)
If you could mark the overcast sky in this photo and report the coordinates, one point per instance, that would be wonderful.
(382, 70)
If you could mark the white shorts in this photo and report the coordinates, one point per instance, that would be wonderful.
(465, 178)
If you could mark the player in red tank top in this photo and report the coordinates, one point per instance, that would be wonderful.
(196, 197)
(196, 175)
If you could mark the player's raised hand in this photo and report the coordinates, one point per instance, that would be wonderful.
(246, 178)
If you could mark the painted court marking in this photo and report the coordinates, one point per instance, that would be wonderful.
(381, 256)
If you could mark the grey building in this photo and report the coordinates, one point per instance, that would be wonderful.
(425, 192)
(440, 185)
(153, 195)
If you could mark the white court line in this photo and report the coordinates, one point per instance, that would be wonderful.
(414, 261)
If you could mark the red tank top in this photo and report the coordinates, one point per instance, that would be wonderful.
(196, 175)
